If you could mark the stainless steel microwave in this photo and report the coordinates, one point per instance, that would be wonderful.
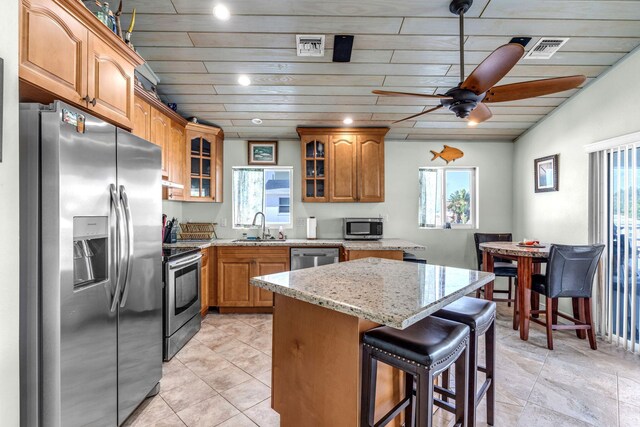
(362, 228)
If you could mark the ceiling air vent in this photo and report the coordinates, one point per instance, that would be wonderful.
(310, 45)
(545, 48)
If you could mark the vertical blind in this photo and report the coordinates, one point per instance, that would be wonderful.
(619, 299)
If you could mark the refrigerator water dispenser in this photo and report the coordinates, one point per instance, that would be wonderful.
(90, 250)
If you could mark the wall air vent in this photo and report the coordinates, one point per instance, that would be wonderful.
(310, 45)
(545, 48)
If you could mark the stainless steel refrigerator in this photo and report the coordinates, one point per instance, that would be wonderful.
(91, 279)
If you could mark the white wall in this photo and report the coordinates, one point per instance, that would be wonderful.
(605, 109)
(9, 359)
(403, 158)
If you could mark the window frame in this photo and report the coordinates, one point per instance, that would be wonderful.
(475, 196)
(288, 169)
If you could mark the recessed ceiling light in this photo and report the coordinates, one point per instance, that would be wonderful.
(472, 123)
(221, 12)
(244, 80)
(256, 121)
(347, 121)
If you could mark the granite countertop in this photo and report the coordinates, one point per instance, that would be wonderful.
(392, 293)
(352, 245)
(512, 249)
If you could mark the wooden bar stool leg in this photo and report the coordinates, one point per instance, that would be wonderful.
(490, 356)
(424, 398)
(462, 383)
(446, 383)
(409, 417)
(516, 312)
(509, 293)
(549, 322)
(554, 307)
(589, 320)
(472, 378)
(578, 313)
(368, 393)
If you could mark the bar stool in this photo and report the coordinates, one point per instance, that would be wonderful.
(479, 315)
(422, 351)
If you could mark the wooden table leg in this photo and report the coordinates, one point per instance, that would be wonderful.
(487, 265)
(524, 294)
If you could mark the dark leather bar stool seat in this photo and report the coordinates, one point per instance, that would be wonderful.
(422, 351)
(479, 315)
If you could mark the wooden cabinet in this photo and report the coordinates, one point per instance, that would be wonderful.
(353, 255)
(342, 175)
(176, 160)
(236, 265)
(205, 283)
(159, 134)
(67, 53)
(141, 118)
(204, 163)
(342, 165)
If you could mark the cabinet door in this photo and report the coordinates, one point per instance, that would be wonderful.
(342, 172)
(110, 83)
(233, 282)
(141, 118)
(53, 50)
(159, 134)
(201, 166)
(314, 168)
(262, 297)
(176, 161)
(370, 168)
(204, 285)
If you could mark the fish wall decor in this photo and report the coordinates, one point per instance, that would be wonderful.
(448, 154)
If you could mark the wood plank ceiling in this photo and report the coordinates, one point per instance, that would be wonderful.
(403, 45)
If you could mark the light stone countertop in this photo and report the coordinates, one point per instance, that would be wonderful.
(351, 245)
(392, 293)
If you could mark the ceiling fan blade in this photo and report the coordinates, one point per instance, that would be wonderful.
(493, 68)
(533, 88)
(419, 114)
(422, 95)
(480, 114)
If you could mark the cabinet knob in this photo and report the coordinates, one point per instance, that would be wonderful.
(89, 100)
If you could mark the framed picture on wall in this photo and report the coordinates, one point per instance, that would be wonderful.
(546, 173)
(263, 153)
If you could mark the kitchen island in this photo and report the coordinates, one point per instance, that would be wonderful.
(320, 315)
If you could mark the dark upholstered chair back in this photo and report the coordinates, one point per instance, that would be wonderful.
(489, 237)
(570, 270)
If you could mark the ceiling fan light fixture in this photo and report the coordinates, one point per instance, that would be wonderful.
(347, 121)
(472, 123)
(221, 12)
(244, 80)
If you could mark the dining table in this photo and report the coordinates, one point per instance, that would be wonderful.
(529, 259)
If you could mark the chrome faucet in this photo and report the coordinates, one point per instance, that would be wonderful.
(264, 220)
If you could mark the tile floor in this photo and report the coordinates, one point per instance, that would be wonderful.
(222, 378)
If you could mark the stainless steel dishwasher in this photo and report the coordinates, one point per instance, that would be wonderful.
(313, 257)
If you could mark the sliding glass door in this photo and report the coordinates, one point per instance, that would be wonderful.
(623, 221)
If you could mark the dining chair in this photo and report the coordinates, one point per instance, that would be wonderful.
(570, 272)
(501, 267)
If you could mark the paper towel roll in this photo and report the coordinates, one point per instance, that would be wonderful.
(312, 225)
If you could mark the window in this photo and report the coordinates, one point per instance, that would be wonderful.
(266, 190)
(448, 198)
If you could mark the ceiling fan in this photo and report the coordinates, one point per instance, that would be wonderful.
(468, 99)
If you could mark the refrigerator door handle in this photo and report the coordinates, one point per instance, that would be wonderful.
(115, 200)
(127, 213)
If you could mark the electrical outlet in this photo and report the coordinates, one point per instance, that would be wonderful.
(223, 222)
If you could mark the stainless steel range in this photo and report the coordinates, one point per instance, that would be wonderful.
(181, 278)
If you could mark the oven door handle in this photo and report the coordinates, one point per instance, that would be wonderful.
(184, 263)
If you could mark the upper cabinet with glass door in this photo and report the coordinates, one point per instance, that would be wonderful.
(204, 163)
(342, 164)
